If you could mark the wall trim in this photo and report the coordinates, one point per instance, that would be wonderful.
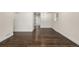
(76, 42)
(24, 30)
(6, 37)
(45, 26)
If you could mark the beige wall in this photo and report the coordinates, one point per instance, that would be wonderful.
(6, 25)
(46, 19)
(24, 22)
(68, 25)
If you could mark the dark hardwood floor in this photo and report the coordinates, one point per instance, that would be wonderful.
(41, 38)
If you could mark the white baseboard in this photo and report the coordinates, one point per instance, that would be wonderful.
(45, 26)
(24, 30)
(6, 36)
(77, 42)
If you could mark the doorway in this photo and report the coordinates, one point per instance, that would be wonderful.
(37, 20)
(43, 20)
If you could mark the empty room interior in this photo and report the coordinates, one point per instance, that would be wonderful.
(39, 29)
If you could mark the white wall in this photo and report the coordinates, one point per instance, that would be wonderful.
(46, 19)
(68, 25)
(6, 25)
(24, 22)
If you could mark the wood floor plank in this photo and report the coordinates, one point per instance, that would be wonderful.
(44, 37)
